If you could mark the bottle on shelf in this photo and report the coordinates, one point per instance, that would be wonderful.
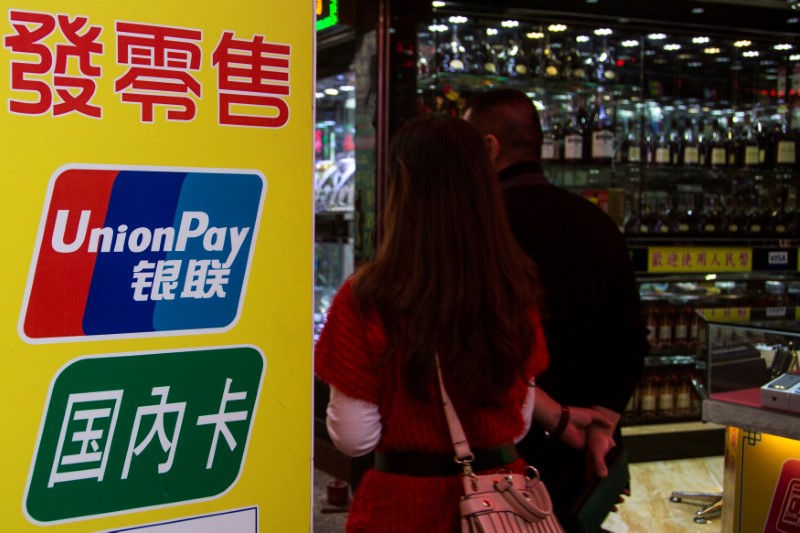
(750, 148)
(574, 151)
(703, 141)
(601, 129)
(732, 145)
(736, 219)
(514, 59)
(550, 62)
(572, 64)
(666, 395)
(682, 222)
(638, 225)
(483, 57)
(549, 143)
(784, 143)
(452, 54)
(757, 225)
(660, 147)
(648, 396)
(666, 328)
(683, 395)
(605, 67)
(689, 146)
(681, 331)
(709, 220)
(717, 150)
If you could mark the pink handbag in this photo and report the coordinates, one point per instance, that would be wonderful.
(502, 501)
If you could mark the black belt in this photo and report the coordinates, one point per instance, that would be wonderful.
(425, 464)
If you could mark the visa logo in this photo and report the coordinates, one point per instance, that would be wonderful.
(141, 251)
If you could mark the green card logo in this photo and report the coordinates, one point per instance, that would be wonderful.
(140, 431)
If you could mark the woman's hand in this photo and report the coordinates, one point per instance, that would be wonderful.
(582, 420)
(548, 413)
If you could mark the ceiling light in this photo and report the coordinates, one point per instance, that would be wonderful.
(700, 40)
(672, 47)
(557, 27)
(603, 31)
(656, 36)
(629, 44)
(744, 43)
(458, 20)
(712, 50)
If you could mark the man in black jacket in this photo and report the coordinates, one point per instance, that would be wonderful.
(592, 317)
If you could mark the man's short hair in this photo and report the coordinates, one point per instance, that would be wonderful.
(511, 116)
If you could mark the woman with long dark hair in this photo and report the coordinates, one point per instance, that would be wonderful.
(449, 280)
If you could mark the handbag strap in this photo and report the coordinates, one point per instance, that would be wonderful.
(460, 444)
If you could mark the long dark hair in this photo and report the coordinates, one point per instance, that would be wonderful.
(449, 276)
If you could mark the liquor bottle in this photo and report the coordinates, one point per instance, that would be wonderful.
(718, 156)
(683, 395)
(666, 395)
(661, 150)
(690, 148)
(681, 332)
(682, 219)
(514, 60)
(736, 219)
(779, 223)
(785, 156)
(757, 220)
(637, 223)
(573, 140)
(750, 146)
(549, 153)
(572, 64)
(453, 54)
(708, 221)
(703, 141)
(483, 58)
(660, 223)
(605, 68)
(666, 328)
(550, 64)
(634, 142)
(602, 132)
(648, 396)
(732, 146)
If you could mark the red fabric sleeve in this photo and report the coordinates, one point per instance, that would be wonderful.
(349, 349)
(540, 358)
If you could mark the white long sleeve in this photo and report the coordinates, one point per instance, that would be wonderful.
(353, 425)
(527, 412)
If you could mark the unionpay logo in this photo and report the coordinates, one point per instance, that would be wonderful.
(141, 251)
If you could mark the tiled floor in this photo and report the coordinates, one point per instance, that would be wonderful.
(647, 510)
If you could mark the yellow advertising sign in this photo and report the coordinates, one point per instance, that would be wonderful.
(727, 314)
(766, 470)
(156, 323)
(669, 259)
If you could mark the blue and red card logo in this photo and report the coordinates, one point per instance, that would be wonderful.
(141, 251)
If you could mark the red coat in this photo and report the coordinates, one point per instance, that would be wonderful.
(349, 355)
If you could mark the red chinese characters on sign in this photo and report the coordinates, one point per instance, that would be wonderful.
(52, 70)
(69, 72)
(253, 78)
(160, 61)
(696, 260)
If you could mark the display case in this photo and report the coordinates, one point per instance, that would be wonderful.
(334, 189)
(751, 365)
(686, 134)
